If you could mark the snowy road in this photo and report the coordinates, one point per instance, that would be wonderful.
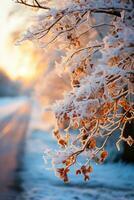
(12, 132)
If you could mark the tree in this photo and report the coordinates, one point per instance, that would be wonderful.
(101, 73)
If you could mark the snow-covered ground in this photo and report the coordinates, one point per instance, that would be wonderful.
(108, 181)
(10, 104)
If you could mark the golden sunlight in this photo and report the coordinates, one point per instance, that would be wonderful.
(16, 61)
(19, 63)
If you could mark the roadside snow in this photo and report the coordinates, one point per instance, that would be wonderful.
(108, 181)
(10, 104)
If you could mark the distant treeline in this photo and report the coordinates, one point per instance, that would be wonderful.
(7, 86)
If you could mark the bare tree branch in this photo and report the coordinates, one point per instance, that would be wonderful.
(35, 4)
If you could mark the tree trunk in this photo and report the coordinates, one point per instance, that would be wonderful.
(128, 153)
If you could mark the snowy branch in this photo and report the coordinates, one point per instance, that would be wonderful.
(101, 73)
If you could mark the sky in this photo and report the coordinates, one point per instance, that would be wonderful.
(16, 61)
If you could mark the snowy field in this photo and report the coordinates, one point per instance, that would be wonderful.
(108, 181)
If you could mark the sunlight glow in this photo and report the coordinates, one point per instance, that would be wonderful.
(16, 61)
(19, 63)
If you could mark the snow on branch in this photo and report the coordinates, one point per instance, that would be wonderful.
(102, 77)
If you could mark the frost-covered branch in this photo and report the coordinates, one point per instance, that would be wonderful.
(101, 101)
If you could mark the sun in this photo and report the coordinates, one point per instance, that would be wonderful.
(25, 73)
(19, 62)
